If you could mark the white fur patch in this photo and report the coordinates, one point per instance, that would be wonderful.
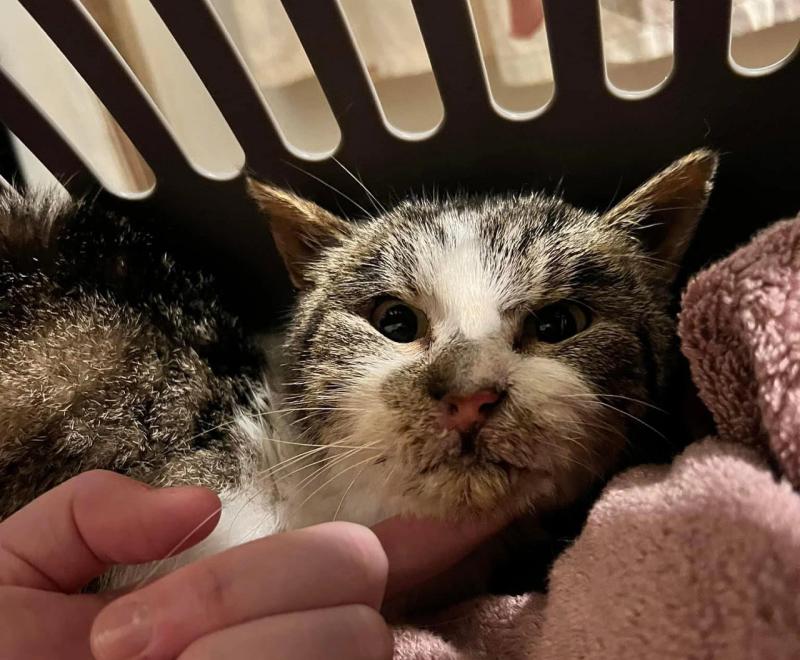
(460, 295)
(247, 514)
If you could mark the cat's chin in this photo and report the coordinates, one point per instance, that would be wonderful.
(485, 490)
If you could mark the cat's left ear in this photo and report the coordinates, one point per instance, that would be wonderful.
(301, 229)
(663, 212)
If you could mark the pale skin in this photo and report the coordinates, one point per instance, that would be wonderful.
(311, 593)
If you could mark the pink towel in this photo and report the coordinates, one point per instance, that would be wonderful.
(700, 559)
(740, 329)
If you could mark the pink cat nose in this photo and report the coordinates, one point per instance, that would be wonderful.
(465, 412)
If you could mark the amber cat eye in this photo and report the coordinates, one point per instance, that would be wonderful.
(398, 321)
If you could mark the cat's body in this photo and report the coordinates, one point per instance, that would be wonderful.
(461, 358)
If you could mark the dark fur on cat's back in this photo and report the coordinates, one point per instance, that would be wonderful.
(112, 355)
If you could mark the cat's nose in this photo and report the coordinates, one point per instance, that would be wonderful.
(468, 411)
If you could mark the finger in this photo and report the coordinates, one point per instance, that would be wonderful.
(419, 549)
(323, 566)
(44, 625)
(355, 632)
(72, 533)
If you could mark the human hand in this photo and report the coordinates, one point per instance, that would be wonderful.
(309, 593)
(53, 547)
(301, 594)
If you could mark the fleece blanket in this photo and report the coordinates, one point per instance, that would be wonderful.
(698, 559)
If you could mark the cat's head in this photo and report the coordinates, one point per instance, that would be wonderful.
(469, 355)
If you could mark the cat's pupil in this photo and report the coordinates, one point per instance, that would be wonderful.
(399, 323)
(555, 327)
(559, 322)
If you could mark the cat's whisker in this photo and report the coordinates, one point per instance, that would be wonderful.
(305, 466)
(608, 428)
(339, 458)
(575, 442)
(330, 187)
(569, 458)
(218, 427)
(347, 492)
(375, 202)
(275, 482)
(308, 480)
(333, 478)
(633, 417)
(281, 411)
(595, 425)
(231, 423)
(589, 396)
(158, 564)
(613, 199)
(288, 462)
(324, 464)
(310, 444)
(295, 422)
(643, 257)
(272, 470)
(304, 455)
(388, 477)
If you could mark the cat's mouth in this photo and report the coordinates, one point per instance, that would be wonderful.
(461, 477)
(473, 463)
(488, 446)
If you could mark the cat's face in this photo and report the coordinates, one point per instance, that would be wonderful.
(488, 354)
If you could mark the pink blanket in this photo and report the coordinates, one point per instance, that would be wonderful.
(700, 559)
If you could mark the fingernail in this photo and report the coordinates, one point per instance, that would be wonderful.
(121, 632)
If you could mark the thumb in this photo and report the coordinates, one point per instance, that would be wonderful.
(419, 549)
(73, 533)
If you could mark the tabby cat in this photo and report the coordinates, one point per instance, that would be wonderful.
(458, 357)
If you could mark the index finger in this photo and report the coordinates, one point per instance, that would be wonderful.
(74, 532)
(317, 567)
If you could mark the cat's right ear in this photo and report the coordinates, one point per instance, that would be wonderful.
(301, 229)
(663, 212)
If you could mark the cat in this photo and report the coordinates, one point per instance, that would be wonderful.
(457, 357)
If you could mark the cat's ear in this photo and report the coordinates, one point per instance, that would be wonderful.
(664, 211)
(301, 229)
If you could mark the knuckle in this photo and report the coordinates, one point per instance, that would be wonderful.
(372, 638)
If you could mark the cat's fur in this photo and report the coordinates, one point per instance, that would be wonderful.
(116, 352)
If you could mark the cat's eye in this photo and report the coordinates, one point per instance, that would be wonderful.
(398, 321)
(557, 322)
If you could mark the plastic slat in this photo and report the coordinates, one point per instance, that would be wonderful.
(206, 43)
(72, 29)
(332, 52)
(23, 117)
